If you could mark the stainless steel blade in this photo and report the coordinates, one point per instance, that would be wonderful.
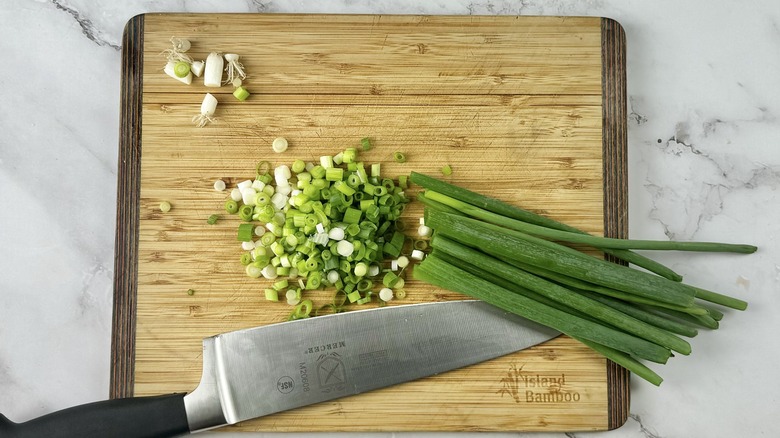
(256, 372)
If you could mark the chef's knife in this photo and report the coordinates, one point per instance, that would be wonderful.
(260, 371)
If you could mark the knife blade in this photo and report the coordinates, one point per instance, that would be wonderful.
(260, 371)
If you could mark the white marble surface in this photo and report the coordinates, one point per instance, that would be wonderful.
(704, 149)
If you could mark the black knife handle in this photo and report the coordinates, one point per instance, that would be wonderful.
(141, 417)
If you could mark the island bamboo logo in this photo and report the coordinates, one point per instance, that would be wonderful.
(536, 388)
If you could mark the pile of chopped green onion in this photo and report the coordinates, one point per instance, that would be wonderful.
(309, 226)
(501, 254)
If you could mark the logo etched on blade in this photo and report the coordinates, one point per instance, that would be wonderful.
(325, 347)
(331, 373)
(285, 384)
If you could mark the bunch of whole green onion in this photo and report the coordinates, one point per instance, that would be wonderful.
(511, 258)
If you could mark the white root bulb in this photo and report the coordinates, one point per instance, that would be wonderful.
(177, 52)
(212, 74)
(207, 109)
(169, 70)
(234, 69)
(181, 44)
(197, 68)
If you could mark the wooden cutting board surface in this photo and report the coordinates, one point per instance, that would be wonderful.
(528, 109)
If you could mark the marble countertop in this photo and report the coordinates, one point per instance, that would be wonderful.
(704, 164)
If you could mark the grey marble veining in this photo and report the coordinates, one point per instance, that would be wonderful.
(704, 163)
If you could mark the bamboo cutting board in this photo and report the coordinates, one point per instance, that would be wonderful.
(528, 109)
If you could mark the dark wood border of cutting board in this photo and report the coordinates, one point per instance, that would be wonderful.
(614, 137)
(128, 193)
(615, 162)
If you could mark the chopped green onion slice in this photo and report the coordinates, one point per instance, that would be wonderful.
(272, 295)
(241, 94)
(399, 157)
(386, 294)
(446, 170)
(334, 174)
(365, 285)
(366, 143)
(298, 166)
(340, 298)
(421, 245)
(263, 168)
(390, 280)
(181, 69)
(279, 144)
(245, 232)
(303, 309)
(361, 269)
(352, 215)
(318, 172)
(253, 271)
(212, 219)
(349, 155)
(245, 213)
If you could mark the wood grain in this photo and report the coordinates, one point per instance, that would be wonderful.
(523, 108)
(126, 238)
(613, 52)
